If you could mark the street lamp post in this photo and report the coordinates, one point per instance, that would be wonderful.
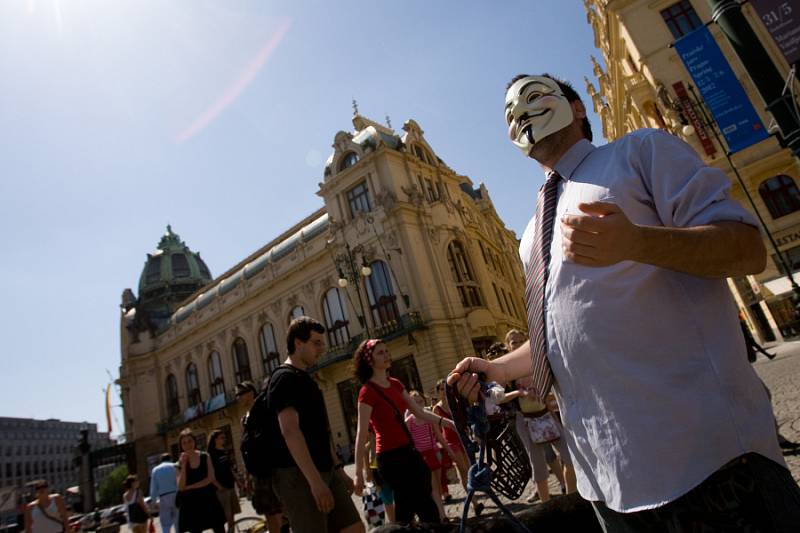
(351, 272)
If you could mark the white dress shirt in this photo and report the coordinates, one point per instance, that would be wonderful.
(651, 373)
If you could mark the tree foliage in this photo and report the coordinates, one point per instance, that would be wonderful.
(110, 490)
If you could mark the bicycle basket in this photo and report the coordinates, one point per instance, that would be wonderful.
(507, 459)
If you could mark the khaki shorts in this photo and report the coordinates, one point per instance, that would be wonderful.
(230, 503)
(293, 490)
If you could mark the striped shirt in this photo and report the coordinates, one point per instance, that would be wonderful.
(422, 433)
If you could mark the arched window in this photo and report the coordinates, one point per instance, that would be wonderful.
(241, 361)
(269, 349)
(350, 159)
(335, 317)
(216, 379)
(173, 405)
(382, 300)
(462, 274)
(297, 312)
(192, 385)
(780, 194)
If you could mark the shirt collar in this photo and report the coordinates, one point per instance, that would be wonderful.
(572, 159)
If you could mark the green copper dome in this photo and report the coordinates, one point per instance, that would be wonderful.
(171, 274)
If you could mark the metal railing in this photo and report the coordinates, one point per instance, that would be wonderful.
(391, 329)
(212, 405)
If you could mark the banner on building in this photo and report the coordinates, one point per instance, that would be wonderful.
(720, 90)
(691, 114)
(782, 20)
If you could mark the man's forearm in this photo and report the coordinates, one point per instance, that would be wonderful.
(516, 364)
(718, 250)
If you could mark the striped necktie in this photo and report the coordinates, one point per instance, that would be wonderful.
(536, 281)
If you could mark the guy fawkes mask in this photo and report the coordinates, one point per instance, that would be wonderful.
(535, 108)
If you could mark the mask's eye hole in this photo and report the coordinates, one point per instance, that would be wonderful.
(533, 96)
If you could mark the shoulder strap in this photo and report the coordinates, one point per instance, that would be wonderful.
(47, 515)
(397, 413)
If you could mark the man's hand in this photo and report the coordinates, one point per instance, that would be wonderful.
(604, 237)
(322, 495)
(465, 376)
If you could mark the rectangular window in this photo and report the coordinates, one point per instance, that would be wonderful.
(508, 304)
(430, 191)
(792, 257)
(681, 18)
(358, 198)
(499, 300)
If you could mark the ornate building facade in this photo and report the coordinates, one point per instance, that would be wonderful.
(644, 84)
(405, 249)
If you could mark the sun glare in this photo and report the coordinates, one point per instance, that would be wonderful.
(236, 88)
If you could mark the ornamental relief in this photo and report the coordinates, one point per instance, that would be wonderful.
(308, 290)
(275, 307)
(386, 199)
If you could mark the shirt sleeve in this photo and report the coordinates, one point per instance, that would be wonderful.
(685, 191)
(365, 395)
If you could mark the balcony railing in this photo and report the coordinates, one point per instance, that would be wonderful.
(390, 330)
(213, 404)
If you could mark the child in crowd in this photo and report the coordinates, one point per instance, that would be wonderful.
(426, 436)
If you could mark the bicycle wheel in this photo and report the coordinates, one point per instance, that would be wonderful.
(250, 524)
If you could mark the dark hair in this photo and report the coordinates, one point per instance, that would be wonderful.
(129, 481)
(245, 387)
(39, 484)
(166, 458)
(566, 88)
(301, 328)
(496, 350)
(213, 437)
(361, 367)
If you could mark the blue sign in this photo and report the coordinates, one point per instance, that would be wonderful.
(721, 91)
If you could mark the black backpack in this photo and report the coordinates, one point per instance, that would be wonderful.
(261, 431)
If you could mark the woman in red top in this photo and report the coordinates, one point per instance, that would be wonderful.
(382, 401)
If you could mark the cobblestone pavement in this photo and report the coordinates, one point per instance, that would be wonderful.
(782, 376)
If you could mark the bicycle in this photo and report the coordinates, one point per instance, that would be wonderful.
(250, 524)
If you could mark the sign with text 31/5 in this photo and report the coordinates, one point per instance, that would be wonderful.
(782, 20)
(721, 91)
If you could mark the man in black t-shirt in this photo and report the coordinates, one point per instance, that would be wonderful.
(312, 486)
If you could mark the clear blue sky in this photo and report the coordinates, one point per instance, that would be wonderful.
(117, 118)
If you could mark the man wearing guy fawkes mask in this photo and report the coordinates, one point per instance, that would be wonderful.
(632, 324)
